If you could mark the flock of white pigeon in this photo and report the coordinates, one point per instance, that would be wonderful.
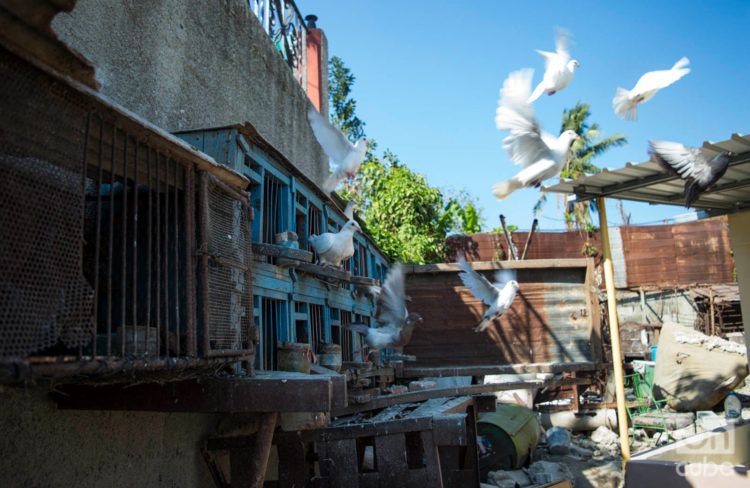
(541, 155)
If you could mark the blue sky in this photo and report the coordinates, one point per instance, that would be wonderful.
(429, 74)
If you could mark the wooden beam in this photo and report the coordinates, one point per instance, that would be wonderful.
(282, 252)
(417, 396)
(493, 265)
(248, 465)
(266, 392)
(324, 272)
(520, 368)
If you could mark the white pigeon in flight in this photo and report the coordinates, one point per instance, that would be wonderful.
(559, 68)
(542, 155)
(394, 324)
(346, 157)
(334, 247)
(626, 102)
(690, 164)
(499, 296)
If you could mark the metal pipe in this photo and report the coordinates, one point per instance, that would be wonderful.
(84, 170)
(177, 260)
(529, 239)
(135, 253)
(124, 251)
(189, 259)
(511, 250)
(614, 331)
(149, 270)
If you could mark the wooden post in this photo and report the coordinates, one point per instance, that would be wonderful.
(511, 249)
(529, 238)
(248, 465)
(614, 331)
(712, 324)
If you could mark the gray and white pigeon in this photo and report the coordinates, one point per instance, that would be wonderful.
(346, 157)
(559, 68)
(334, 247)
(542, 155)
(691, 164)
(498, 296)
(394, 325)
(625, 102)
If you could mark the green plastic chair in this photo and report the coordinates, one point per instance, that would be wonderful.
(647, 412)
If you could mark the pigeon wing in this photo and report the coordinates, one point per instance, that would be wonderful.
(349, 210)
(503, 276)
(392, 299)
(479, 285)
(524, 145)
(323, 242)
(331, 139)
(677, 159)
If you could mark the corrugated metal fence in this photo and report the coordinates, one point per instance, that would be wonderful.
(654, 255)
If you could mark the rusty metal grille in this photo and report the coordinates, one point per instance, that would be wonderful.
(359, 342)
(137, 231)
(274, 208)
(226, 260)
(314, 218)
(272, 312)
(316, 327)
(347, 354)
(98, 255)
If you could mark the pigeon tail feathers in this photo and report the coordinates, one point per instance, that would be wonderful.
(537, 93)
(358, 328)
(504, 188)
(331, 183)
(681, 63)
(625, 107)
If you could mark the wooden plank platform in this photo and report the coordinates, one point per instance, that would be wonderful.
(417, 396)
(282, 252)
(520, 368)
(271, 391)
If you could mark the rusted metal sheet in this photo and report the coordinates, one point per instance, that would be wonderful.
(551, 319)
(655, 255)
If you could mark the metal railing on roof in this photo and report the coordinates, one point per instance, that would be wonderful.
(285, 25)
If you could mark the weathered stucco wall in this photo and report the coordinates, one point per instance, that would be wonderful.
(739, 234)
(43, 446)
(192, 64)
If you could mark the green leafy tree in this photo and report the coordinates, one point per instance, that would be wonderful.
(407, 218)
(343, 107)
(590, 146)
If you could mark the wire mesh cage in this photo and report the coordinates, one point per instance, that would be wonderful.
(99, 256)
(225, 269)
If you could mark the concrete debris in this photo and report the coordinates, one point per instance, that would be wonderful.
(508, 479)
(709, 420)
(684, 433)
(605, 437)
(687, 336)
(605, 476)
(581, 452)
(558, 440)
(542, 472)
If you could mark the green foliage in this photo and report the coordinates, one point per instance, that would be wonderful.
(407, 218)
(343, 108)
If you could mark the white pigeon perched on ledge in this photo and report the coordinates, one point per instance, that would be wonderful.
(394, 324)
(346, 157)
(559, 68)
(334, 247)
(626, 102)
(499, 296)
(690, 164)
(542, 155)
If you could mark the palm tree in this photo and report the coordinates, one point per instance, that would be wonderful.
(582, 153)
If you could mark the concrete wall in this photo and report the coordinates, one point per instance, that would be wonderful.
(43, 446)
(739, 234)
(656, 307)
(193, 64)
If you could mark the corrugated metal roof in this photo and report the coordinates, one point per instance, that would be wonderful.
(648, 182)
